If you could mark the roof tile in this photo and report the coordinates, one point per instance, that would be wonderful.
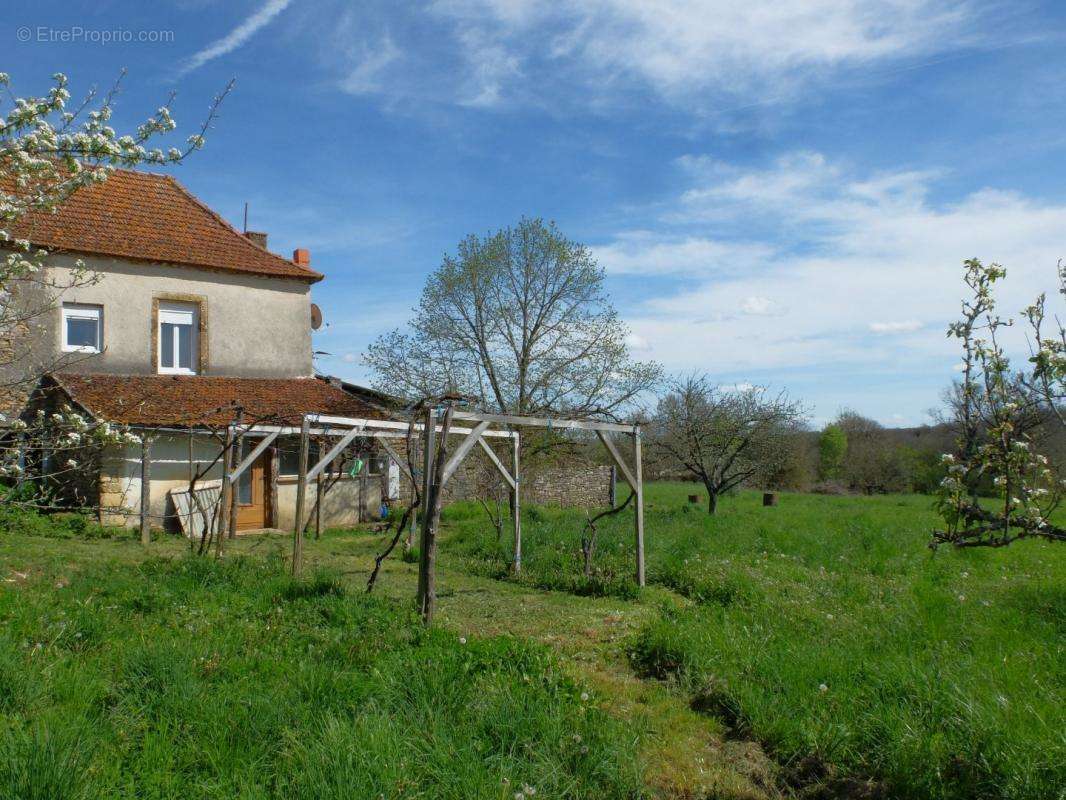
(151, 217)
(191, 401)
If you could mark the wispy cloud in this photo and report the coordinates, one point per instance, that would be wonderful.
(235, 38)
(708, 56)
(368, 74)
(682, 49)
(889, 328)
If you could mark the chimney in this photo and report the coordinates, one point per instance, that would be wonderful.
(301, 257)
(259, 237)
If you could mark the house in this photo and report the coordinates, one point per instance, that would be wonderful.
(189, 321)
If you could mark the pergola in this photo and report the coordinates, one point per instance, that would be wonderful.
(477, 429)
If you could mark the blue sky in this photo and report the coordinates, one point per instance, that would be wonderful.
(781, 192)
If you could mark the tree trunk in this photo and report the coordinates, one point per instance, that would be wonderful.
(712, 501)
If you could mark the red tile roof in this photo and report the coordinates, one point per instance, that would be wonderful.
(191, 401)
(150, 217)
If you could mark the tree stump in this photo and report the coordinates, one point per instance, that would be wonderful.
(693, 498)
(769, 498)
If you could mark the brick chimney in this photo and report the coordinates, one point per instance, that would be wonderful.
(301, 257)
(259, 237)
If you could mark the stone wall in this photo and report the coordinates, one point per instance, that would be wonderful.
(575, 484)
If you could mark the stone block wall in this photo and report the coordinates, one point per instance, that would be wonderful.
(576, 484)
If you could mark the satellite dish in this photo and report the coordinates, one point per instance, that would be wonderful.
(316, 317)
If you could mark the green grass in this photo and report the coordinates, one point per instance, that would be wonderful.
(827, 631)
(133, 674)
(186, 677)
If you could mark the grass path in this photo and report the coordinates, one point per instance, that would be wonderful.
(686, 754)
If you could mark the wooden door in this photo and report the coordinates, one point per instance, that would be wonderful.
(253, 495)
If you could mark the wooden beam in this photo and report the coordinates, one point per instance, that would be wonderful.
(388, 424)
(388, 448)
(232, 460)
(146, 489)
(622, 466)
(428, 431)
(335, 451)
(301, 499)
(495, 459)
(275, 468)
(462, 450)
(544, 422)
(252, 456)
(227, 490)
(639, 489)
(516, 511)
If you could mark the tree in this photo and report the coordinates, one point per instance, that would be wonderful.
(721, 437)
(993, 409)
(519, 322)
(48, 152)
(832, 446)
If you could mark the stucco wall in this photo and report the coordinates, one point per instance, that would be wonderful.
(120, 479)
(256, 326)
(120, 486)
(340, 506)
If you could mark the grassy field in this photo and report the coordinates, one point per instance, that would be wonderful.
(815, 649)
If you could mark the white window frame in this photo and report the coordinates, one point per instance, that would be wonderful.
(178, 313)
(83, 311)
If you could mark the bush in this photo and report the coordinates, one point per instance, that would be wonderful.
(16, 519)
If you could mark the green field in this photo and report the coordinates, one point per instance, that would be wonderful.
(815, 649)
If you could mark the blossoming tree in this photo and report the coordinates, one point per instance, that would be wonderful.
(994, 408)
(50, 149)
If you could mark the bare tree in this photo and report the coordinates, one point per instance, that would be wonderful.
(722, 437)
(518, 321)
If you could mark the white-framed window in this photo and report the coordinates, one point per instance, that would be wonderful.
(83, 328)
(179, 338)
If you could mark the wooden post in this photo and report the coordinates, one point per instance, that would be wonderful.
(275, 467)
(146, 489)
(192, 477)
(638, 473)
(517, 510)
(364, 492)
(318, 505)
(428, 436)
(613, 499)
(234, 461)
(227, 490)
(301, 499)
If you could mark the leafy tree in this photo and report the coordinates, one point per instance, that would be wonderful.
(723, 438)
(832, 446)
(519, 322)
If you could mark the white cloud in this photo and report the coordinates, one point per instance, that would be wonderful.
(758, 306)
(905, 326)
(678, 48)
(634, 342)
(743, 386)
(644, 252)
(235, 38)
(853, 261)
